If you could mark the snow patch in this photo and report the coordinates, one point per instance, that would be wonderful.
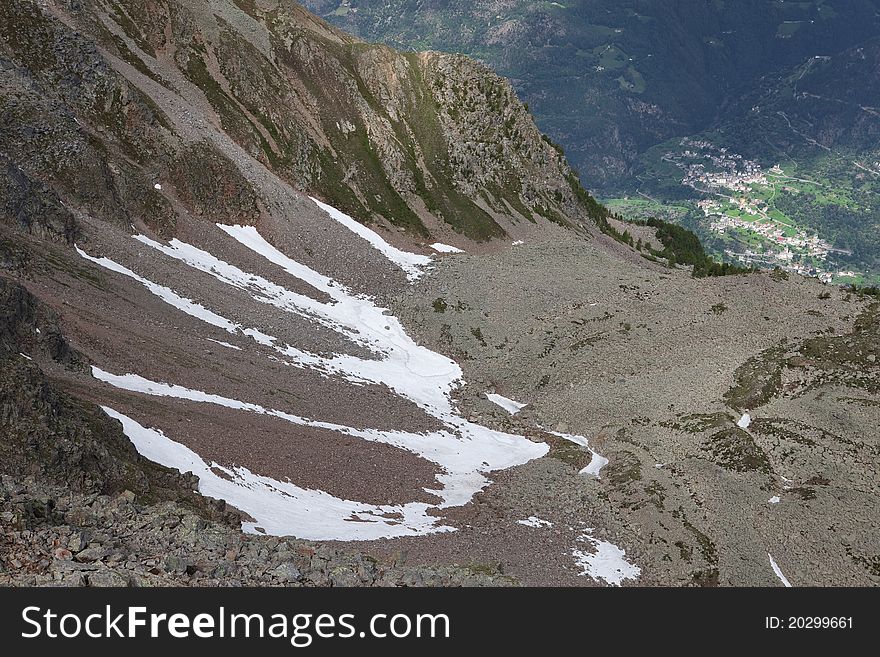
(518, 243)
(224, 344)
(512, 407)
(778, 571)
(465, 455)
(157, 187)
(463, 459)
(598, 461)
(595, 466)
(536, 522)
(411, 263)
(774, 500)
(607, 562)
(259, 288)
(278, 506)
(744, 421)
(445, 248)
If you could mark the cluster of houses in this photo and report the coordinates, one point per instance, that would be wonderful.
(715, 169)
(729, 179)
(800, 253)
(784, 260)
(801, 242)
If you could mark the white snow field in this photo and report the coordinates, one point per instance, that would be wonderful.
(279, 506)
(745, 421)
(466, 452)
(512, 407)
(461, 459)
(606, 563)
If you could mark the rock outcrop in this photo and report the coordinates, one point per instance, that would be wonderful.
(103, 100)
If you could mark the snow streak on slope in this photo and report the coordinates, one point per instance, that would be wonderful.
(512, 407)
(167, 295)
(279, 506)
(259, 288)
(598, 461)
(607, 563)
(465, 451)
(411, 263)
(536, 522)
(224, 344)
(198, 311)
(439, 247)
(443, 448)
(778, 571)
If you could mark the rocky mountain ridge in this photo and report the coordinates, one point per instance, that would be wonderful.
(395, 139)
(609, 79)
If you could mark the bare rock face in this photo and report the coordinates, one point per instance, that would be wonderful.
(103, 100)
(52, 436)
(50, 536)
(28, 325)
(71, 124)
(33, 207)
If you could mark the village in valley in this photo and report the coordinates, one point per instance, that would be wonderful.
(739, 207)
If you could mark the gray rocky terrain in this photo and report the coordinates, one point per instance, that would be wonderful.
(52, 537)
(657, 369)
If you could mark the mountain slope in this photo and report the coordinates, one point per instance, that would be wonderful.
(521, 408)
(132, 90)
(207, 297)
(812, 107)
(806, 138)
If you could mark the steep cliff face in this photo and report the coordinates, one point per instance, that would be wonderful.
(611, 78)
(121, 92)
(55, 438)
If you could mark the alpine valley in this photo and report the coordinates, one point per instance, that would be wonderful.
(754, 123)
(279, 306)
